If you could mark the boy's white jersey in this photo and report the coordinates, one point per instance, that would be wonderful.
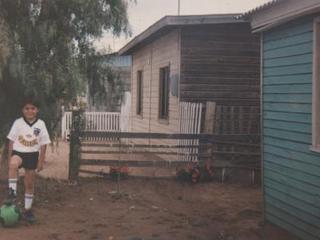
(28, 137)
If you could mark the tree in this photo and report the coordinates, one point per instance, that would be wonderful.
(4, 45)
(50, 45)
(107, 86)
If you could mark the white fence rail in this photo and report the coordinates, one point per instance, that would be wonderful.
(94, 121)
(66, 123)
(102, 121)
(190, 122)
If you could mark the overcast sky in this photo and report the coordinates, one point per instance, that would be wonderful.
(144, 13)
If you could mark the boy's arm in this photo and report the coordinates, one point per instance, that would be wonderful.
(42, 156)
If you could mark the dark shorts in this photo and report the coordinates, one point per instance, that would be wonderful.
(29, 159)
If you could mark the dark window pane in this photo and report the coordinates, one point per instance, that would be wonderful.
(164, 93)
(139, 92)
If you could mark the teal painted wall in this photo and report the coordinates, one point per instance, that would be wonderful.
(291, 170)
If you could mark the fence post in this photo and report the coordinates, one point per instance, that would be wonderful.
(204, 150)
(209, 123)
(74, 157)
(209, 128)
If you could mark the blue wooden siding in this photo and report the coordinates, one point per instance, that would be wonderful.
(291, 170)
(121, 61)
(118, 61)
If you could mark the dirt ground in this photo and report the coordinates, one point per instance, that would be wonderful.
(148, 209)
(57, 164)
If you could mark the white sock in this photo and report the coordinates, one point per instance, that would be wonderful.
(13, 184)
(28, 199)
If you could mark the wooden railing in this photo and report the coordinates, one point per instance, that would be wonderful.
(133, 154)
(231, 140)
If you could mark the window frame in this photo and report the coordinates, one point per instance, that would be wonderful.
(164, 92)
(316, 87)
(139, 100)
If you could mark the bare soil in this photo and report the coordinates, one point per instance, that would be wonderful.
(156, 209)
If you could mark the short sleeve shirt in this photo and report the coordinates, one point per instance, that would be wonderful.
(28, 137)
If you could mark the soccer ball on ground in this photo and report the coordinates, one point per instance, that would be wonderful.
(9, 215)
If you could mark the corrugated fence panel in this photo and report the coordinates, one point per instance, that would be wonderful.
(291, 170)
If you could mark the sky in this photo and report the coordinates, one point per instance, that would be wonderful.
(144, 13)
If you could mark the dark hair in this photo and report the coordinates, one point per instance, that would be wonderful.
(30, 100)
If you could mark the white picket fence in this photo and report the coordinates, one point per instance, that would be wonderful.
(102, 121)
(190, 123)
(66, 123)
(94, 121)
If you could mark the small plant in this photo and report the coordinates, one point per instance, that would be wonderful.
(119, 172)
(194, 172)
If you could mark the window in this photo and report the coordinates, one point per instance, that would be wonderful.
(316, 88)
(139, 92)
(164, 93)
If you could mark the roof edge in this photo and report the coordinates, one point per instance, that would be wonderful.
(184, 20)
(278, 12)
(286, 18)
(269, 4)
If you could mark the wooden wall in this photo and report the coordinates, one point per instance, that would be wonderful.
(291, 169)
(162, 52)
(220, 63)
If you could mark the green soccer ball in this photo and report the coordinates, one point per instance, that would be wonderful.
(9, 215)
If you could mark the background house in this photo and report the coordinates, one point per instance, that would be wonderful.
(181, 63)
(290, 34)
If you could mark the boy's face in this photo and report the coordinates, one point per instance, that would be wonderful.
(30, 111)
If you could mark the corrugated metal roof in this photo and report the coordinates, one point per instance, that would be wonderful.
(277, 12)
(259, 8)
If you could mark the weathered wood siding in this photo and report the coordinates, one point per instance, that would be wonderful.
(220, 63)
(291, 170)
(160, 53)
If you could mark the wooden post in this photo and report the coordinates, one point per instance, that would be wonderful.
(209, 127)
(74, 157)
(251, 113)
(218, 120)
(210, 116)
(241, 120)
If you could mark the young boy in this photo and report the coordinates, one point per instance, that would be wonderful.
(28, 138)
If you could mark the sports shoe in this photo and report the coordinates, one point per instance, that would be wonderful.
(29, 217)
(11, 197)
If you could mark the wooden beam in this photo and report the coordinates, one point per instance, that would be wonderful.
(92, 172)
(210, 116)
(236, 153)
(131, 163)
(96, 136)
(105, 145)
(238, 144)
(140, 135)
(125, 151)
